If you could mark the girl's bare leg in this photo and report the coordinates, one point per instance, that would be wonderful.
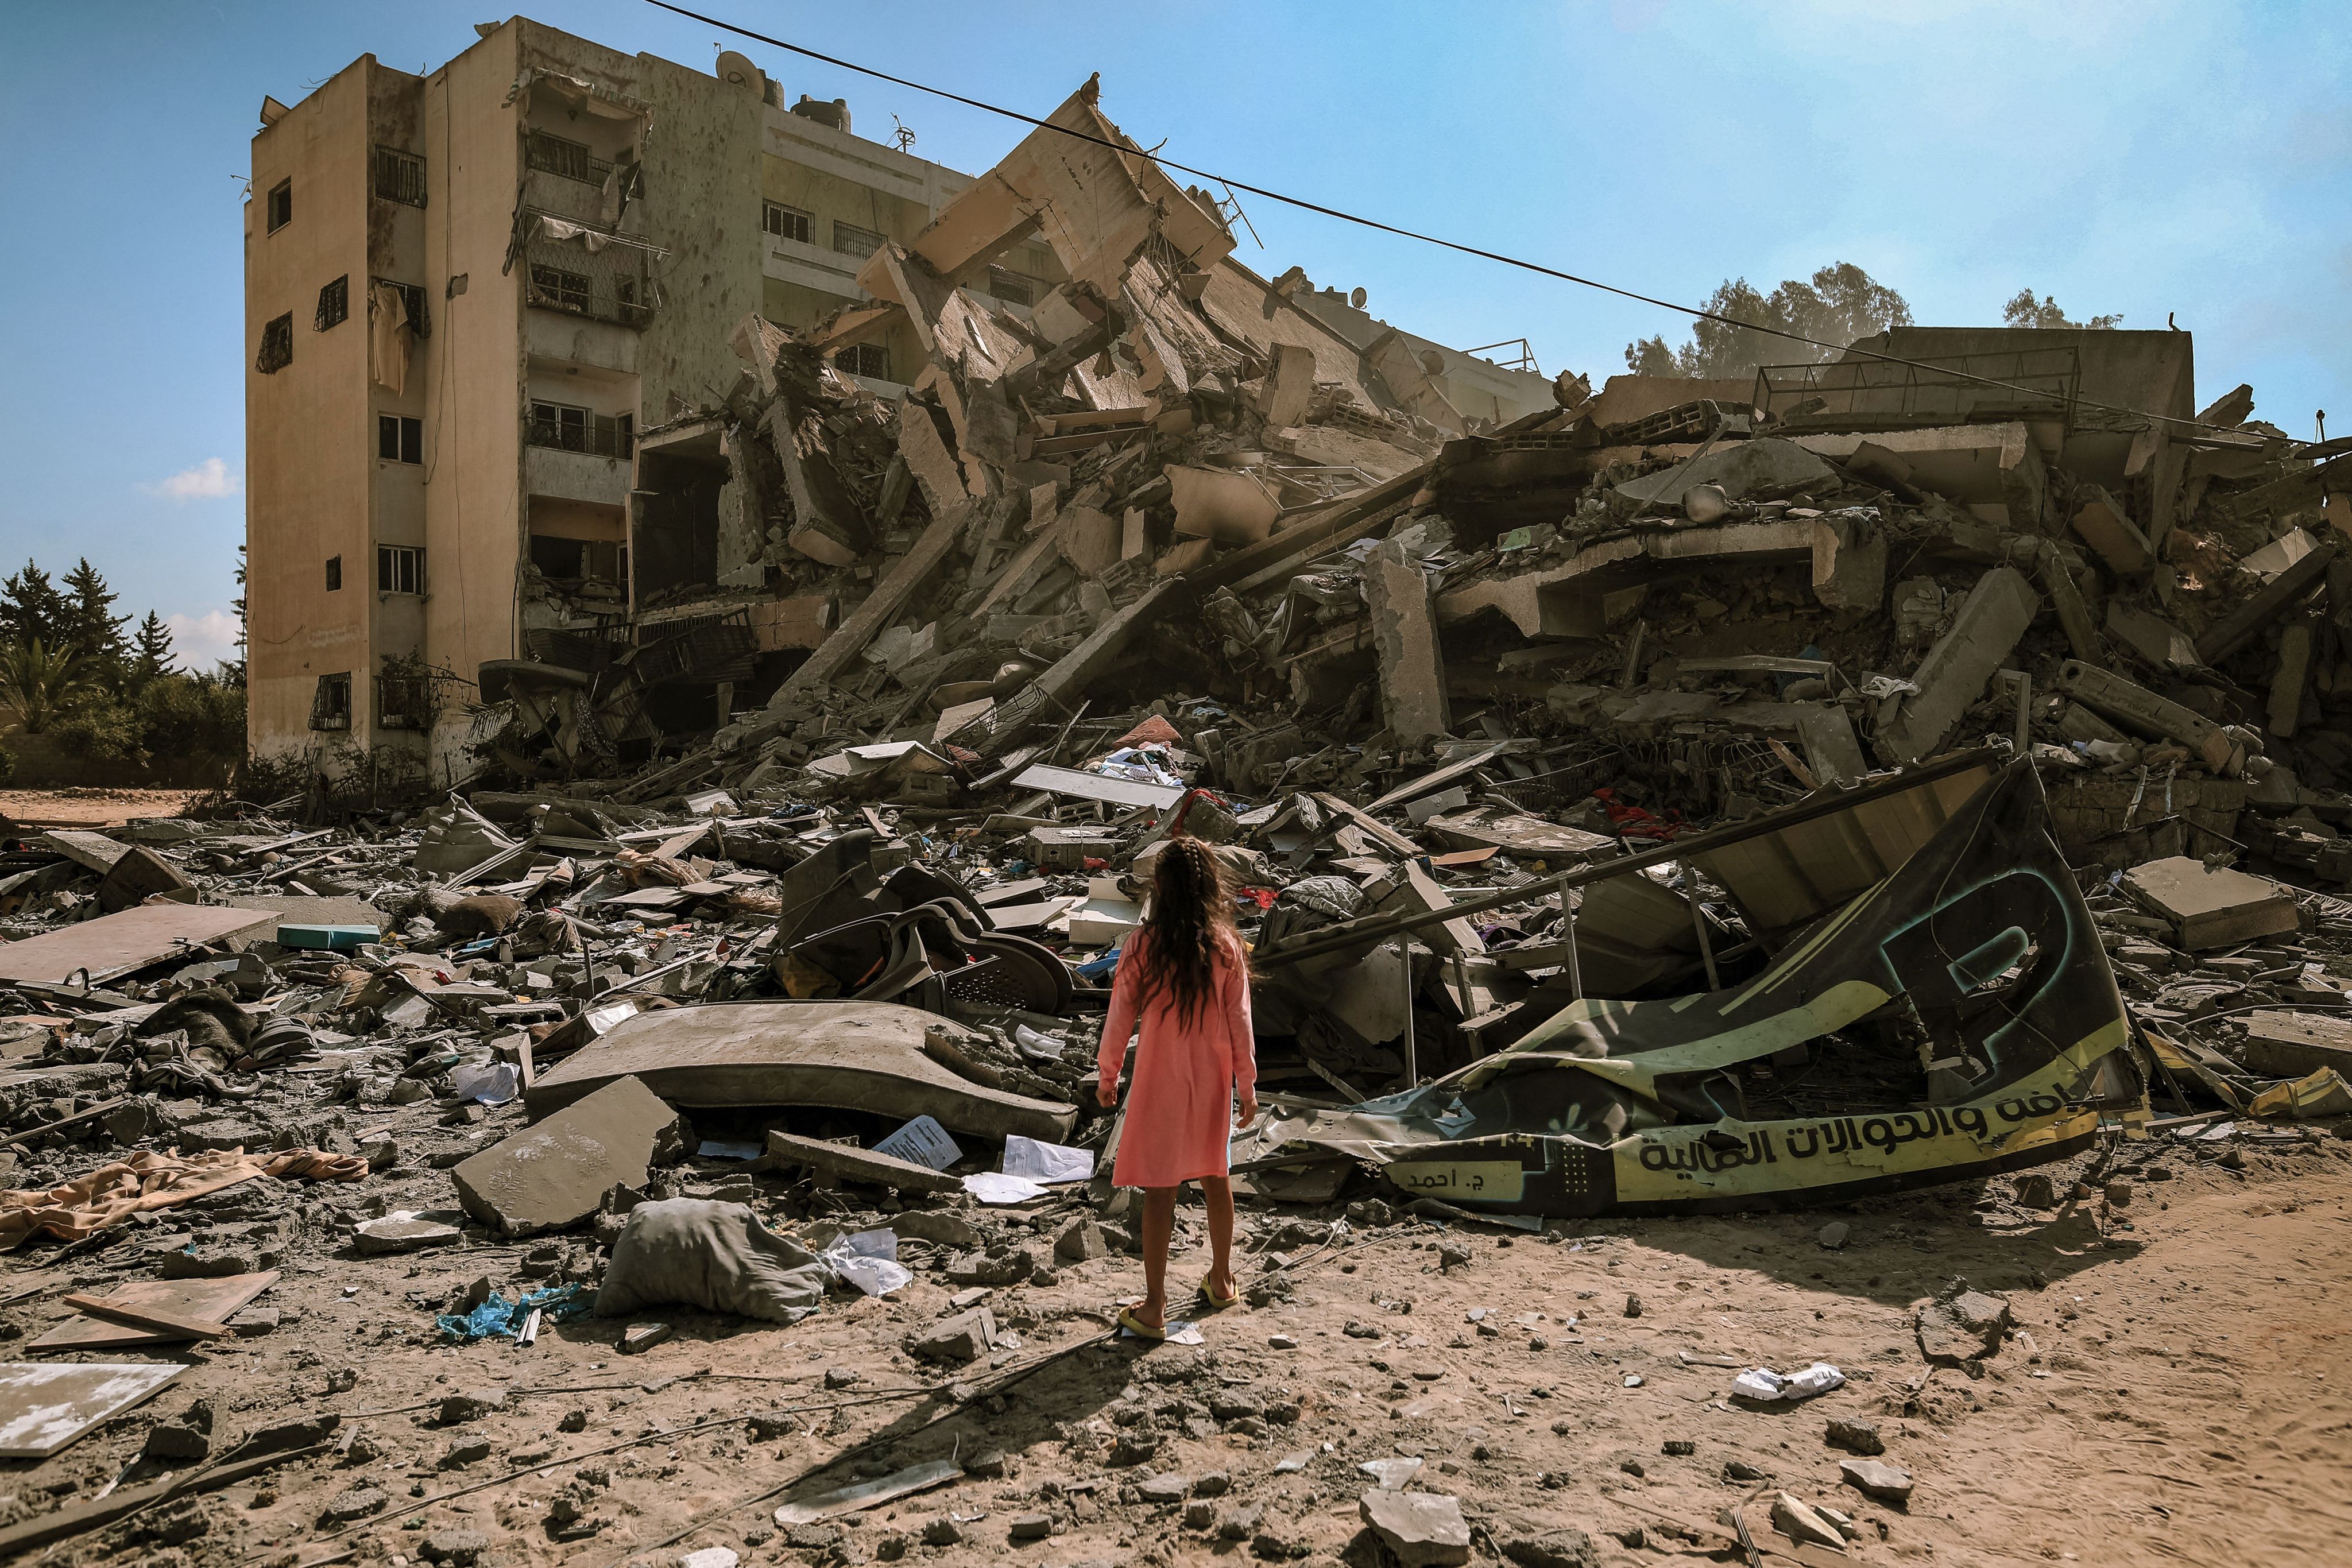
(1159, 1229)
(1219, 1193)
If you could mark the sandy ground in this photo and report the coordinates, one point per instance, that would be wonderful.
(2177, 1392)
(90, 808)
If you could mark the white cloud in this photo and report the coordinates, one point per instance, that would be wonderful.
(208, 480)
(200, 641)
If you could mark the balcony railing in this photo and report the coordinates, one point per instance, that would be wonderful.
(596, 436)
(589, 271)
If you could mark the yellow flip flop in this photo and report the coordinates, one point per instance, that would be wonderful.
(1217, 1302)
(1139, 1328)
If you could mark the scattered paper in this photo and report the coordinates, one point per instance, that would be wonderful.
(1049, 1163)
(869, 1261)
(922, 1141)
(492, 1085)
(1763, 1383)
(995, 1187)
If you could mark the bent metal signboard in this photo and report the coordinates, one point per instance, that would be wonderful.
(1631, 1107)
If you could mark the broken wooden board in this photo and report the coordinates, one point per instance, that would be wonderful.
(1494, 827)
(215, 1299)
(44, 1406)
(1438, 778)
(117, 944)
(852, 1164)
(1084, 786)
(848, 1055)
(860, 1495)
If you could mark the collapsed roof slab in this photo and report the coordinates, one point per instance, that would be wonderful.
(1565, 600)
(1096, 205)
(1981, 467)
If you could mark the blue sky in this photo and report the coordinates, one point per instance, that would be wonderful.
(2147, 158)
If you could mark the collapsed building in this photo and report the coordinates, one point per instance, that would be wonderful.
(1922, 765)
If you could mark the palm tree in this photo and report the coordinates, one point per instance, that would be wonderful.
(41, 683)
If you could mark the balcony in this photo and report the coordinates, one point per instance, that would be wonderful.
(596, 273)
(561, 429)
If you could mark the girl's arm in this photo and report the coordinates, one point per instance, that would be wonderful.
(1110, 1056)
(1242, 1030)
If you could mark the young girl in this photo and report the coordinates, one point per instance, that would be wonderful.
(1184, 974)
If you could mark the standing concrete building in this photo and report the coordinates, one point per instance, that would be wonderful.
(488, 319)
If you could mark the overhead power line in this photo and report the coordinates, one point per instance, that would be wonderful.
(1344, 217)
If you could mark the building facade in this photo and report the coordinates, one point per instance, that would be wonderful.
(489, 321)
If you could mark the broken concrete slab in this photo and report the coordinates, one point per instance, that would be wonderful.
(850, 1163)
(965, 1337)
(1962, 1326)
(1420, 1529)
(117, 944)
(1849, 560)
(2109, 530)
(2129, 703)
(1743, 469)
(2294, 1045)
(849, 1055)
(1878, 1478)
(2239, 627)
(1404, 639)
(1960, 666)
(2210, 906)
(1996, 471)
(1225, 505)
(555, 1173)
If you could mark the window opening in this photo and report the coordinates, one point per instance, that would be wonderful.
(277, 346)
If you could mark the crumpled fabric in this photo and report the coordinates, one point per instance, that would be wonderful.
(499, 1318)
(692, 1252)
(149, 1180)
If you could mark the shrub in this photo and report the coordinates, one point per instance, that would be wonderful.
(104, 730)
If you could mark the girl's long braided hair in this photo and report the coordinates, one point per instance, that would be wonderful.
(1192, 918)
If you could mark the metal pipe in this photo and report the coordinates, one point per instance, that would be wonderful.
(1698, 925)
(1827, 804)
(1575, 970)
(1412, 1055)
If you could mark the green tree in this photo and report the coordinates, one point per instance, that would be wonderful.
(32, 610)
(42, 684)
(91, 627)
(233, 670)
(1838, 306)
(151, 651)
(2024, 310)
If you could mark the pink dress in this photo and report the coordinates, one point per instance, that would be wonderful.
(1179, 1111)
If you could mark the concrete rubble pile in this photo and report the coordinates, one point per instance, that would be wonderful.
(1518, 741)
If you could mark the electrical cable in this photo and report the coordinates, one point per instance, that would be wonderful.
(1344, 217)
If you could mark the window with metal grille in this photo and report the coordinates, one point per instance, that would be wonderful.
(569, 429)
(400, 176)
(335, 305)
(412, 296)
(864, 360)
(565, 290)
(851, 240)
(277, 346)
(1013, 287)
(399, 439)
(331, 706)
(405, 694)
(334, 574)
(786, 223)
(554, 155)
(399, 569)
(279, 205)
